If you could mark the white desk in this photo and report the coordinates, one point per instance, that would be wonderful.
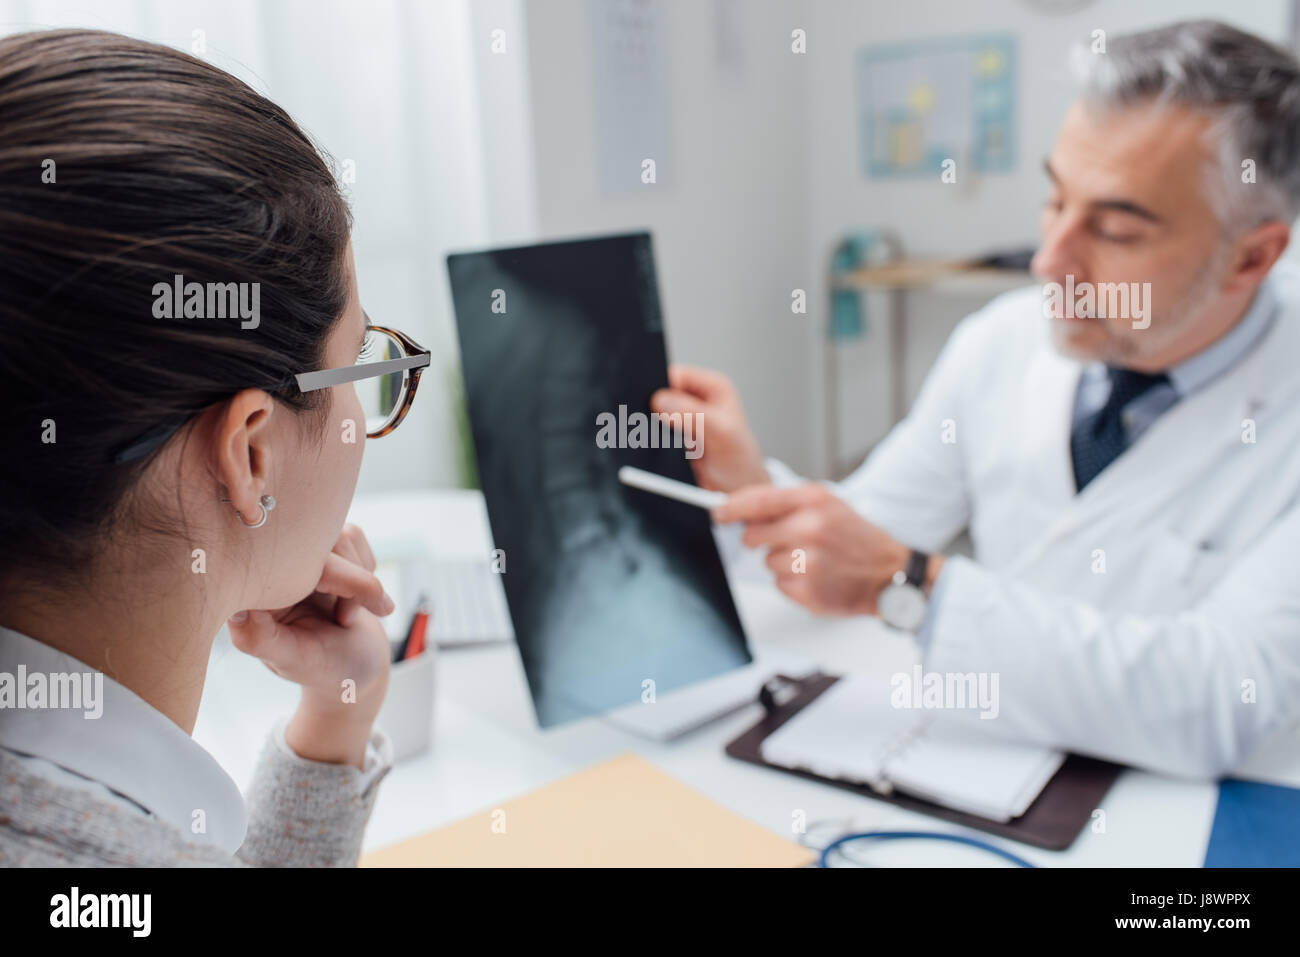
(487, 747)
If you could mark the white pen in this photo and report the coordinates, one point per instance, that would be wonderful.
(670, 488)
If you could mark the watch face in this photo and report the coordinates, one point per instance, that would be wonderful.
(902, 606)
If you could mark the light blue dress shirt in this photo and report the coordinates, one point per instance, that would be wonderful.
(1193, 373)
(1186, 377)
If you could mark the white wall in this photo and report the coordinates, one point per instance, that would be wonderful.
(730, 224)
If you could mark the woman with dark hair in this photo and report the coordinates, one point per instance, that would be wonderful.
(183, 367)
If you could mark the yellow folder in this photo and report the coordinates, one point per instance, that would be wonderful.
(621, 813)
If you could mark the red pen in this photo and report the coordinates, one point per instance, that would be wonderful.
(419, 625)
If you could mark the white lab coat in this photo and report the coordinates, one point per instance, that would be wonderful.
(1182, 655)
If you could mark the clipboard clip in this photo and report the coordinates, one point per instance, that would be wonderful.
(778, 691)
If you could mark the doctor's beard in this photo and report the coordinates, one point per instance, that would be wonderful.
(1115, 342)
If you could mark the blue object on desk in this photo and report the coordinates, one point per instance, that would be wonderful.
(1255, 825)
(825, 858)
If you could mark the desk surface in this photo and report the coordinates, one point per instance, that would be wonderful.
(487, 748)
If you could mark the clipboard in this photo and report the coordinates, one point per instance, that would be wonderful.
(1052, 822)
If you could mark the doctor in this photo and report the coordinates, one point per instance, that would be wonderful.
(1131, 483)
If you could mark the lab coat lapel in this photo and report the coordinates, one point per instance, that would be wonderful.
(1051, 382)
(1199, 429)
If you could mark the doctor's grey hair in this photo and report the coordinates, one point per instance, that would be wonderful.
(1250, 87)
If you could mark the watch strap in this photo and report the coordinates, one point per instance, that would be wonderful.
(916, 568)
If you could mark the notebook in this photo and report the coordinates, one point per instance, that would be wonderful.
(853, 733)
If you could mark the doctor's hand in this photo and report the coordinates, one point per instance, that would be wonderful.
(729, 454)
(825, 555)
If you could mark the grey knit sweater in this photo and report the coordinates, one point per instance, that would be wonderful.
(300, 814)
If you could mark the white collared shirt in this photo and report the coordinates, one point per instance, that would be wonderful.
(132, 755)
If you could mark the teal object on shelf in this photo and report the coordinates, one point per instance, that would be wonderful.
(848, 311)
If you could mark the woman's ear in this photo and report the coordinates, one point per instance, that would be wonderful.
(243, 449)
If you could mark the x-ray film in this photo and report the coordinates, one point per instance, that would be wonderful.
(617, 595)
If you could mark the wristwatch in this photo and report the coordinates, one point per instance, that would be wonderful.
(902, 603)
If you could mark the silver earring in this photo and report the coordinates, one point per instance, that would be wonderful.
(266, 501)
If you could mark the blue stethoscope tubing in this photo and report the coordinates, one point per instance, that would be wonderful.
(824, 860)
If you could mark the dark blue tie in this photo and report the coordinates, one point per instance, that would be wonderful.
(1099, 438)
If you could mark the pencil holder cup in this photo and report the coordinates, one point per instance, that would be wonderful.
(407, 713)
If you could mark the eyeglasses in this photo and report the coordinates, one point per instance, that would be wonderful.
(387, 372)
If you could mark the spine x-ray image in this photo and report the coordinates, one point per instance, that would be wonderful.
(614, 592)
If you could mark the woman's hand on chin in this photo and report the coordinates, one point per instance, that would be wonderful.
(332, 644)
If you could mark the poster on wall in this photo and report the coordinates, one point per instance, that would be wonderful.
(630, 85)
(926, 103)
